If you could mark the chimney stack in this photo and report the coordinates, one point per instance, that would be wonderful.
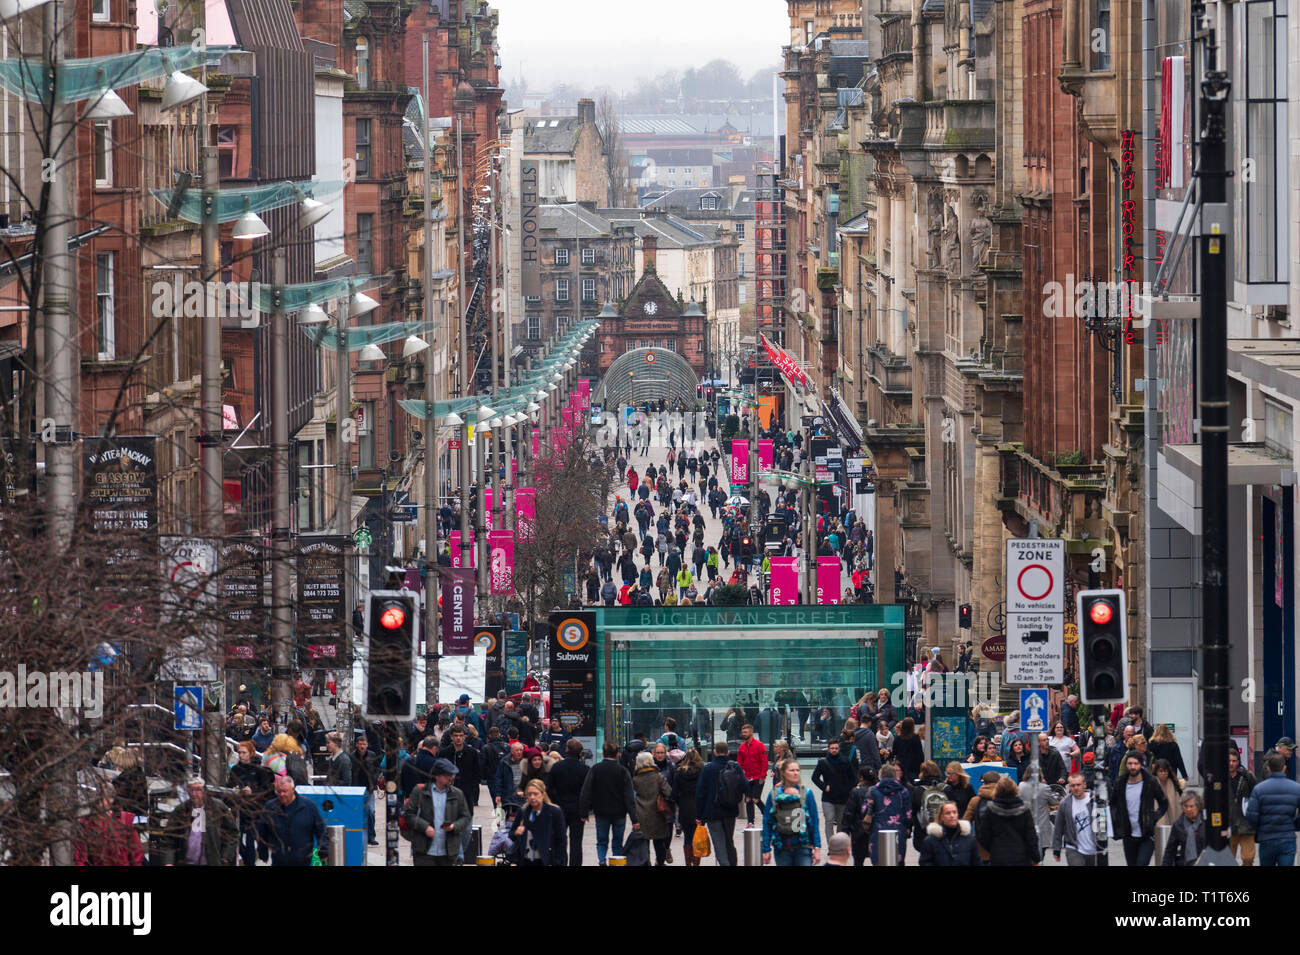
(649, 252)
(587, 111)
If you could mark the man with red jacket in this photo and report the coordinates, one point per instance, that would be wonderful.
(752, 757)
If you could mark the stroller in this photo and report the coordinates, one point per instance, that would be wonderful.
(502, 846)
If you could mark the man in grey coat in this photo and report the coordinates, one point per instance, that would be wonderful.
(436, 818)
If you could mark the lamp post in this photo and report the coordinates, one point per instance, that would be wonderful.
(463, 104)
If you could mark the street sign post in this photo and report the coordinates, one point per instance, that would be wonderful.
(1035, 576)
(1033, 710)
(1035, 648)
(187, 707)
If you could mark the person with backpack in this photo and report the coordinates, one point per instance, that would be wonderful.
(752, 756)
(1005, 827)
(285, 757)
(835, 776)
(948, 840)
(790, 829)
(889, 808)
(1272, 812)
(721, 790)
(607, 793)
(435, 818)
(928, 798)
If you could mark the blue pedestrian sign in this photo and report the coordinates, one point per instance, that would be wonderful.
(1033, 709)
(187, 707)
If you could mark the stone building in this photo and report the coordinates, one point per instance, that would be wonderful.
(570, 155)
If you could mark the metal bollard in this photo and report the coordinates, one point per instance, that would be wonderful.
(886, 847)
(1162, 839)
(753, 839)
(475, 847)
(338, 846)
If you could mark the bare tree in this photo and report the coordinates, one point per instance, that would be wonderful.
(616, 159)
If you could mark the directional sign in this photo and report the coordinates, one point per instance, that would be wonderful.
(1035, 648)
(1033, 710)
(188, 707)
(1035, 575)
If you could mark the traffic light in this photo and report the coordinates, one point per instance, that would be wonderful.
(746, 547)
(964, 616)
(390, 624)
(1103, 646)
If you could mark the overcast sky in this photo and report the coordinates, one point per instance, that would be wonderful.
(613, 42)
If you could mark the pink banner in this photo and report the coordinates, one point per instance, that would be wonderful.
(526, 509)
(501, 553)
(739, 461)
(487, 506)
(765, 454)
(783, 582)
(584, 392)
(828, 580)
(455, 549)
(537, 442)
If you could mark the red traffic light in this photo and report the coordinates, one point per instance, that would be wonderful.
(1100, 613)
(392, 618)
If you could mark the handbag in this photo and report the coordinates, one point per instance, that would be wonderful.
(664, 807)
(700, 844)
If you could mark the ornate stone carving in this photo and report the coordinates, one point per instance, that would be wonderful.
(935, 227)
(981, 232)
(951, 243)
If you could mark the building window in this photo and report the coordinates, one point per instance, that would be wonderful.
(740, 230)
(100, 11)
(740, 258)
(103, 154)
(106, 324)
(366, 435)
(561, 256)
(534, 323)
(561, 290)
(363, 63)
(363, 149)
(808, 31)
(1278, 420)
(588, 256)
(227, 148)
(1266, 108)
(365, 243)
(708, 202)
(1101, 57)
(670, 345)
(589, 290)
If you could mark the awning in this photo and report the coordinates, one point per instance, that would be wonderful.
(845, 423)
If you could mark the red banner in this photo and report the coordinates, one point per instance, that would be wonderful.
(785, 363)
(501, 553)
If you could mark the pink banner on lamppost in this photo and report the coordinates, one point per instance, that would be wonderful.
(765, 454)
(487, 504)
(537, 443)
(501, 554)
(783, 582)
(455, 549)
(458, 613)
(828, 580)
(526, 509)
(584, 391)
(739, 461)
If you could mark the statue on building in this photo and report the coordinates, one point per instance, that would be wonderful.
(935, 229)
(981, 233)
(951, 243)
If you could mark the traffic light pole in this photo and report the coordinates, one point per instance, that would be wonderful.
(1213, 354)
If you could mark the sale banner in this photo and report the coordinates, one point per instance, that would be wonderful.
(829, 579)
(501, 554)
(739, 461)
(783, 582)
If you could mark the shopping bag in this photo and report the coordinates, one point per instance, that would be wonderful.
(700, 843)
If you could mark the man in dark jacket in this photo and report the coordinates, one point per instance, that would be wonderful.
(555, 737)
(1051, 766)
(1272, 811)
(565, 787)
(417, 768)
(340, 764)
(948, 841)
(607, 793)
(1241, 783)
(212, 843)
(1137, 802)
(719, 819)
(437, 817)
(505, 788)
(292, 827)
(856, 820)
(834, 775)
(365, 772)
(867, 750)
(468, 763)
(1005, 828)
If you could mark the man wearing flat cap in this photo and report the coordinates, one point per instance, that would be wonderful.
(436, 818)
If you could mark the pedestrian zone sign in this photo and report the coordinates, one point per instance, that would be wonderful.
(188, 707)
(1033, 709)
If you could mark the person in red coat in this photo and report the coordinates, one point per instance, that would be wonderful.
(752, 757)
(632, 480)
(107, 836)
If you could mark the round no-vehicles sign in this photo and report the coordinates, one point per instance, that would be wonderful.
(1035, 575)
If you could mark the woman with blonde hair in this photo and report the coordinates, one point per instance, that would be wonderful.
(1171, 787)
(539, 831)
(780, 753)
(284, 757)
(1164, 746)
